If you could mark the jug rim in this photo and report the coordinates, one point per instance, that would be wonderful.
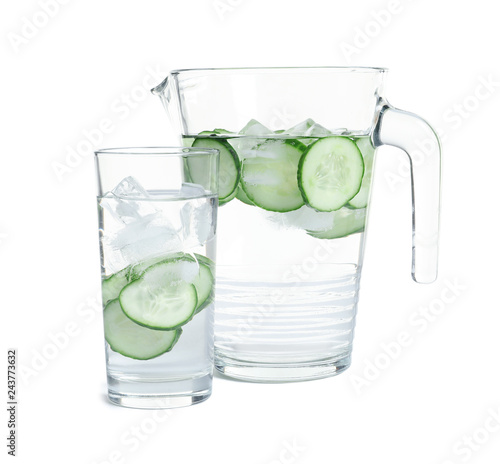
(263, 69)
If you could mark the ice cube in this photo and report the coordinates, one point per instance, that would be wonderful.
(130, 188)
(309, 131)
(254, 133)
(189, 190)
(254, 127)
(317, 130)
(122, 202)
(145, 237)
(301, 128)
(149, 228)
(204, 221)
(144, 231)
(197, 222)
(308, 128)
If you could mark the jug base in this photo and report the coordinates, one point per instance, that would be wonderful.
(280, 372)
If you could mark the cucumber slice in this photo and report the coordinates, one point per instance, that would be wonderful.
(243, 197)
(132, 340)
(137, 270)
(204, 282)
(229, 165)
(270, 178)
(162, 298)
(215, 132)
(112, 285)
(187, 142)
(344, 222)
(330, 173)
(368, 152)
(228, 199)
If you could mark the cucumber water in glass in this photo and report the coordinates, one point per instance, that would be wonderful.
(297, 149)
(157, 237)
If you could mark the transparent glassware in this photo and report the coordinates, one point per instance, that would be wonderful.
(157, 233)
(288, 281)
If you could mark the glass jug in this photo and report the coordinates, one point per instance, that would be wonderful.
(297, 147)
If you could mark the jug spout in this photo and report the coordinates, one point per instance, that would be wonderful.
(167, 96)
(159, 90)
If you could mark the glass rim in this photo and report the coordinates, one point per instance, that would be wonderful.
(263, 69)
(157, 151)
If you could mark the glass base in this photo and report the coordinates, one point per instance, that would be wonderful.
(158, 394)
(281, 372)
(156, 402)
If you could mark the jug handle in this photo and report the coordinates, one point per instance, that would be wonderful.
(416, 137)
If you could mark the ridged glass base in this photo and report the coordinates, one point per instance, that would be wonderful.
(280, 372)
(269, 330)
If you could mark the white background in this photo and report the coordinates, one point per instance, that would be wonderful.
(76, 68)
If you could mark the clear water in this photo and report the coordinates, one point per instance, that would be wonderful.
(285, 299)
(134, 228)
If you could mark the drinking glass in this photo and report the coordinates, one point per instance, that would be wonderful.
(157, 211)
